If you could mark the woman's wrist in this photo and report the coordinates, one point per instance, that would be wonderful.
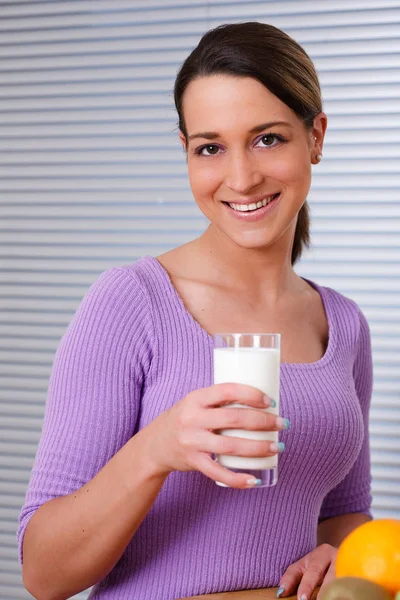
(144, 458)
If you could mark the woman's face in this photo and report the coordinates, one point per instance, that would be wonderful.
(249, 158)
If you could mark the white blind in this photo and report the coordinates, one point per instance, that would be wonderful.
(92, 176)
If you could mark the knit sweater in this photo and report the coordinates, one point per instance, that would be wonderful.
(133, 350)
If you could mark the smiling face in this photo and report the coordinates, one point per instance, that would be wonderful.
(249, 158)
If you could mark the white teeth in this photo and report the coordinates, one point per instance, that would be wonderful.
(253, 206)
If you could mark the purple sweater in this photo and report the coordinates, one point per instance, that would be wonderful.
(131, 351)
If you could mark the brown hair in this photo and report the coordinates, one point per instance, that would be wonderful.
(269, 55)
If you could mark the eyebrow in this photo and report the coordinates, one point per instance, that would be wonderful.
(212, 135)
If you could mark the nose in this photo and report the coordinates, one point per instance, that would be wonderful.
(243, 173)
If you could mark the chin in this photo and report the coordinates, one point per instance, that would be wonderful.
(253, 241)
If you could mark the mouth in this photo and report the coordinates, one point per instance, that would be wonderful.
(253, 206)
(254, 210)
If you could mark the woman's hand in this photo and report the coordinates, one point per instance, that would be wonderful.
(315, 568)
(184, 437)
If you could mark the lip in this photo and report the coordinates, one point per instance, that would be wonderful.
(256, 215)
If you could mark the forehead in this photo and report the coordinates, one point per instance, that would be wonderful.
(220, 102)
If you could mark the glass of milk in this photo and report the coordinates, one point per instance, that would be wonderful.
(252, 359)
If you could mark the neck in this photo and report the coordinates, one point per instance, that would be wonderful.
(266, 272)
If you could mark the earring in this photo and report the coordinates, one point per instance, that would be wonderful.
(318, 158)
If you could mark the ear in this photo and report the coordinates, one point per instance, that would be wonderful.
(318, 136)
(183, 141)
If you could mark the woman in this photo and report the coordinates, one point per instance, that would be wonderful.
(123, 490)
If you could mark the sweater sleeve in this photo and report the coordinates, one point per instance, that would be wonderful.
(353, 494)
(94, 390)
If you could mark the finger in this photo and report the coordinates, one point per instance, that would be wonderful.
(330, 576)
(242, 418)
(213, 443)
(313, 577)
(318, 563)
(206, 465)
(291, 578)
(308, 572)
(226, 393)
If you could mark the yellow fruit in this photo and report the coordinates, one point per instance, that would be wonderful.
(372, 551)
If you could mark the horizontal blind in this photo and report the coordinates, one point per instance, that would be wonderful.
(92, 176)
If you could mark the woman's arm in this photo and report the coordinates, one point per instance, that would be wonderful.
(91, 484)
(348, 505)
(94, 481)
(318, 566)
(74, 541)
(353, 494)
(333, 531)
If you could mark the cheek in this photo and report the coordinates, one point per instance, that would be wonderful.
(203, 179)
(294, 170)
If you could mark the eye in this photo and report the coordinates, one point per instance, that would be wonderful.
(209, 150)
(269, 139)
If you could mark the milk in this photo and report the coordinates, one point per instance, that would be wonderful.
(258, 367)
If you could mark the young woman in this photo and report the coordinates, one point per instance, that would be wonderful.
(123, 491)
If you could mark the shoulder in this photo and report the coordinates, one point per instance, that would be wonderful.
(117, 299)
(126, 281)
(343, 312)
(338, 301)
(148, 275)
(113, 288)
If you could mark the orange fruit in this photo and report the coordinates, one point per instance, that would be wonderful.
(372, 551)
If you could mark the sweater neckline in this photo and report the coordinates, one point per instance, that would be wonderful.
(323, 293)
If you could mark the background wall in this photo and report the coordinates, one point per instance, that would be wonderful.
(92, 176)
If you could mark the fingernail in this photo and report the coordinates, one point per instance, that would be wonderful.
(267, 401)
(277, 447)
(303, 597)
(254, 482)
(280, 591)
(282, 423)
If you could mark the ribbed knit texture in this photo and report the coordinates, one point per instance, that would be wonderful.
(133, 350)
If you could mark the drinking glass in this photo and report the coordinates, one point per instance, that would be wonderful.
(252, 359)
